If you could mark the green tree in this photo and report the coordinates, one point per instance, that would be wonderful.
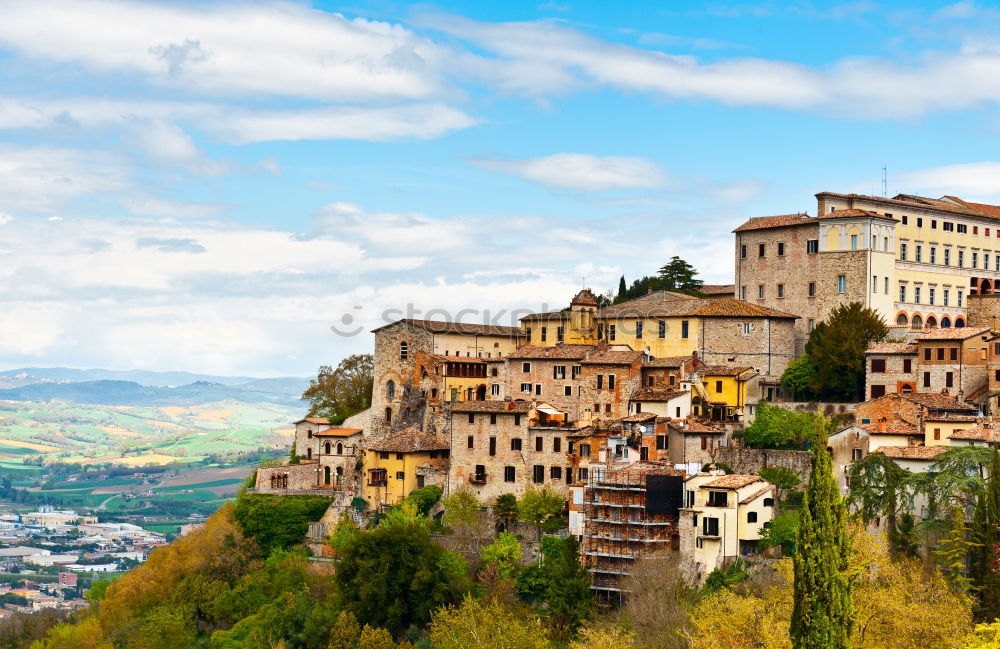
(986, 533)
(953, 552)
(678, 275)
(393, 576)
(463, 514)
(777, 427)
(339, 393)
(482, 623)
(878, 489)
(781, 531)
(278, 521)
(345, 632)
(823, 613)
(505, 553)
(836, 348)
(424, 498)
(567, 599)
(781, 477)
(505, 508)
(375, 638)
(621, 289)
(798, 378)
(539, 505)
(293, 457)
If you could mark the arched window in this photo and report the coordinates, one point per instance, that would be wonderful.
(931, 321)
(959, 322)
(340, 448)
(906, 389)
(901, 319)
(390, 389)
(326, 475)
(328, 448)
(946, 321)
(403, 351)
(917, 322)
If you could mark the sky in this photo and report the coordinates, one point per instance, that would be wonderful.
(249, 187)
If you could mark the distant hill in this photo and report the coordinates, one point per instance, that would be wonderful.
(129, 393)
(142, 377)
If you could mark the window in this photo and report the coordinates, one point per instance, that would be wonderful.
(878, 365)
(902, 252)
(916, 295)
(607, 408)
(964, 229)
(493, 419)
(902, 218)
(544, 333)
(567, 390)
(751, 517)
(886, 287)
(920, 222)
(902, 292)
(480, 473)
(855, 454)
(472, 418)
(940, 353)
(718, 386)
(710, 526)
(930, 295)
(526, 387)
(538, 473)
(539, 444)
(933, 224)
(841, 283)
(927, 379)
(661, 440)
(600, 330)
(390, 389)
(584, 450)
(854, 242)
(638, 329)
(555, 472)
(557, 444)
(958, 297)
(471, 441)
(812, 289)
(743, 252)
(684, 328)
(559, 372)
(945, 295)
(874, 283)
(812, 324)
(760, 292)
(919, 250)
(402, 351)
(975, 259)
(746, 328)
(611, 332)
(509, 474)
(927, 353)
(878, 391)
(584, 473)
(760, 250)
(947, 256)
(986, 261)
(743, 289)
(525, 367)
(947, 226)
(663, 329)
(781, 249)
(515, 444)
(812, 246)
(538, 389)
(575, 371)
(718, 498)
(644, 453)
(400, 475)
(933, 255)
(781, 290)
(961, 258)
(907, 365)
(611, 381)
(937, 433)
(600, 381)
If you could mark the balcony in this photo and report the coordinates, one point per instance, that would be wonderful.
(478, 478)
(378, 483)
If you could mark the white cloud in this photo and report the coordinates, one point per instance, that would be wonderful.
(5, 218)
(394, 232)
(168, 144)
(581, 171)
(975, 179)
(297, 50)
(39, 178)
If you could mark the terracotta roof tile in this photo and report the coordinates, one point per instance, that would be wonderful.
(547, 315)
(986, 431)
(721, 290)
(693, 426)
(338, 432)
(777, 221)
(409, 440)
(584, 298)
(953, 333)
(855, 213)
(897, 427)
(910, 452)
(725, 307)
(635, 474)
(909, 200)
(652, 394)
(667, 361)
(468, 328)
(613, 357)
(639, 417)
(513, 407)
(938, 401)
(722, 370)
(984, 208)
(950, 416)
(734, 481)
(892, 348)
(314, 420)
(770, 488)
(564, 352)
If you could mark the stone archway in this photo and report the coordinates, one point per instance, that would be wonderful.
(931, 321)
(902, 319)
(917, 322)
(945, 322)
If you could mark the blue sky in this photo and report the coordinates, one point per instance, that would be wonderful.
(210, 186)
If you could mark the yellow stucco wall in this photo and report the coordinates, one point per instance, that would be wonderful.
(471, 346)
(672, 344)
(946, 428)
(395, 490)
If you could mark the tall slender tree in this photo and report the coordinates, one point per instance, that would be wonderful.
(823, 611)
(622, 289)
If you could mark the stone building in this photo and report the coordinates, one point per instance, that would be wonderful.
(551, 374)
(667, 372)
(913, 259)
(328, 458)
(725, 393)
(609, 376)
(400, 395)
(675, 403)
(500, 447)
(891, 367)
(575, 326)
(913, 408)
(722, 519)
(692, 441)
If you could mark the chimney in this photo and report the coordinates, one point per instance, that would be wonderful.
(649, 290)
(882, 425)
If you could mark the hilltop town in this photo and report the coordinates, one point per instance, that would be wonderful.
(633, 412)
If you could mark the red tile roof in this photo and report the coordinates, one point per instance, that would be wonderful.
(467, 328)
(898, 427)
(953, 333)
(649, 306)
(666, 361)
(892, 348)
(938, 401)
(338, 432)
(693, 426)
(910, 452)
(984, 208)
(722, 290)
(653, 394)
(314, 420)
(855, 213)
(908, 200)
(770, 488)
(613, 357)
(639, 417)
(734, 481)
(635, 474)
(584, 298)
(986, 431)
(409, 440)
(722, 370)
(564, 352)
(777, 221)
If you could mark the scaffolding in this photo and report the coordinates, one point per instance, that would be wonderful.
(619, 526)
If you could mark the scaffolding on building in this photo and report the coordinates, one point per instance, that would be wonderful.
(622, 524)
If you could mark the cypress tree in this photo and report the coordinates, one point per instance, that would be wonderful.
(622, 290)
(823, 613)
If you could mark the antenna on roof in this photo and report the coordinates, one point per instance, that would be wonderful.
(885, 190)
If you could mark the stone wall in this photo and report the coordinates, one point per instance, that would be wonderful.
(984, 311)
(611, 404)
(750, 461)
(829, 409)
(768, 348)
(389, 366)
